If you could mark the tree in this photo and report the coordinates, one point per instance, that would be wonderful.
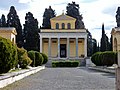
(105, 45)
(48, 14)
(31, 33)
(3, 21)
(73, 11)
(14, 21)
(89, 43)
(118, 17)
(94, 46)
(111, 44)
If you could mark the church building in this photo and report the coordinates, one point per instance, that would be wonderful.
(63, 41)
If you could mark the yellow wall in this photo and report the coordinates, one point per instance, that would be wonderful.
(53, 23)
(54, 48)
(80, 47)
(72, 48)
(45, 46)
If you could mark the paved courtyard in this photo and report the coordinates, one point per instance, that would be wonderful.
(65, 79)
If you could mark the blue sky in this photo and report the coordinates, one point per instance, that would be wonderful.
(95, 12)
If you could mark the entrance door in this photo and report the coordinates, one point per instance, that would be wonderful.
(63, 50)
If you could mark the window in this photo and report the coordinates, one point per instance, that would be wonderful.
(63, 26)
(57, 26)
(69, 26)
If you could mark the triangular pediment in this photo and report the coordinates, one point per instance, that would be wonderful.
(63, 17)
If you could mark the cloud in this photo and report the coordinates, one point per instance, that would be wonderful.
(5, 4)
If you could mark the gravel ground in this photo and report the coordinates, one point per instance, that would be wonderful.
(65, 79)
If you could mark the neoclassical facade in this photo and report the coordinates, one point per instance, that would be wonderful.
(8, 33)
(116, 39)
(63, 41)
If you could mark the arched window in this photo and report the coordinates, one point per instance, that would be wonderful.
(57, 26)
(63, 26)
(69, 26)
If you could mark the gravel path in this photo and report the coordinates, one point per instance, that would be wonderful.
(65, 79)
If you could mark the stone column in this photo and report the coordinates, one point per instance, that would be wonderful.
(41, 45)
(58, 47)
(68, 49)
(76, 47)
(85, 47)
(49, 48)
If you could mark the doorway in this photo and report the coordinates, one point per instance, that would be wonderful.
(63, 50)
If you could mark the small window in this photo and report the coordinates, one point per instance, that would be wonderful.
(63, 26)
(69, 26)
(57, 26)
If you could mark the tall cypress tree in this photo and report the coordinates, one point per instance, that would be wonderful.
(14, 21)
(118, 17)
(73, 11)
(3, 21)
(31, 33)
(48, 14)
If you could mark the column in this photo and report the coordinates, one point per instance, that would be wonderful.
(41, 45)
(49, 48)
(76, 47)
(58, 47)
(68, 47)
(85, 47)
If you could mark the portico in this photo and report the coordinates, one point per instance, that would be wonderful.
(63, 43)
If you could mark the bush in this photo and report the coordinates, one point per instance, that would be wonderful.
(107, 58)
(45, 60)
(31, 55)
(65, 63)
(8, 55)
(23, 58)
(36, 57)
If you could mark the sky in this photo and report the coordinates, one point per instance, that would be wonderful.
(94, 12)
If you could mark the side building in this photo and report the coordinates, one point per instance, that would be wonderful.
(63, 41)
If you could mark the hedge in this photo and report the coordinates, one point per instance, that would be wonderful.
(8, 55)
(65, 63)
(23, 59)
(107, 58)
(45, 60)
(36, 57)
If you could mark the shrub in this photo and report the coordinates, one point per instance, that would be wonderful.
(8, 55)
(31, 55)
(65, 63)
(45, 60)
(38, 59)
(23, 58)
(107, 58)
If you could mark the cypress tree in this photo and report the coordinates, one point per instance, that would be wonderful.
(73, 11)
(3, 21)
(14, 21)
(118, 17)
(48, 14)
(31, 33)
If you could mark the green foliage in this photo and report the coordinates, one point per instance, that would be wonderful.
(14, 21)
(31, 36)
(65, 63)
(3, 21)
(45, 58)
(31, 55)
(48, 14)
(23, 58)
(73, 11)
(107, 58)
(8, 55)
(36, 57)
(118, 17)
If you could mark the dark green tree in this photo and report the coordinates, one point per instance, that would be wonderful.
(31, 33)
(105, 45)
(111, 44)
(14, 21)
(94, 46)
(3, 21)
(89, 43)
(48, 14)
(73, 11)
(118, 17)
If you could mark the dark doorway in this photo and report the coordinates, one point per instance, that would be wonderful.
(63, 50)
